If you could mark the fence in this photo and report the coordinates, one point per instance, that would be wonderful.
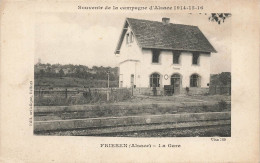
(63, 93)
(216, 89)
(84, 96)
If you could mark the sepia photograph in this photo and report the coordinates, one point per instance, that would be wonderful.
(129, 81)
(134, 75)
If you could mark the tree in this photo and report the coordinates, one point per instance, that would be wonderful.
(225, 78)
(42, 72)
(61, 73)
(219, 17)
(77, 72)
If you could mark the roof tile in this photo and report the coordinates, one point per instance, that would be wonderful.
(152, 34)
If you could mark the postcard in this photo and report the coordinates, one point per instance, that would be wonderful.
(130, 81)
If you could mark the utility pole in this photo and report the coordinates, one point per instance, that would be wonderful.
(108, 72)
(108, 78)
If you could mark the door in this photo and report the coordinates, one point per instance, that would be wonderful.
(176, 83)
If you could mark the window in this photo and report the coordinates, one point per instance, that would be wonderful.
(156, 54)
(176, 57)
(127, 38)
(194, 80)
(195, 58)
(155, 80)
(131, 37)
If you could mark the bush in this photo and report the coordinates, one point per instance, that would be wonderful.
(187, 89)
(155, 106)
(222, 105)
(98, 111)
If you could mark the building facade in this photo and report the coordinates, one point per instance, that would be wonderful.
(158, 54)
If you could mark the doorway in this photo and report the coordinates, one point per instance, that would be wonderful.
(176, 83)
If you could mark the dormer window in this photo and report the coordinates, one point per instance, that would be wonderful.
(155, 57)
(195, 58)
(176, 57)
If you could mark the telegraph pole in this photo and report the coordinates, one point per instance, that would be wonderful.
(108, 72)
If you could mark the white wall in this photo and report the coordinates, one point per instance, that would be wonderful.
(129, 51)
(166, 67)
(129, 62)
(137, 61)
(126, 70)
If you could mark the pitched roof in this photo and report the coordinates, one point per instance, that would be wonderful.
(153, 34)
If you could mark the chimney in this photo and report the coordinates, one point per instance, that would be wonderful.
(165, 20)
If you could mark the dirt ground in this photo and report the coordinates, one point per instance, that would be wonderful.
(203, 131)
(177, 99)
(208, 131)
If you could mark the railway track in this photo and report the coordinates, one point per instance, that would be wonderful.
(135, 130)
(128, 124)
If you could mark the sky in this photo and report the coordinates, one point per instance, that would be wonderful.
(90, 39)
